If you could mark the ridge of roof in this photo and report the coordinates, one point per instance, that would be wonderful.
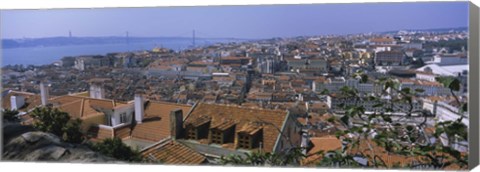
(191, 110)
(82, 107)
(284, 124)
(168, 103)
(242, 107)
(21, 92)
(157, 144)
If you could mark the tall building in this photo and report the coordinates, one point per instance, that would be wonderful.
(390, 58)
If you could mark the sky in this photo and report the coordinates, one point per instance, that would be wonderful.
(265, 21)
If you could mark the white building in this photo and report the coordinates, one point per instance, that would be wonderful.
(444, 111)
(450, 70)
(334, 85)
(427, 76)
(449, 59)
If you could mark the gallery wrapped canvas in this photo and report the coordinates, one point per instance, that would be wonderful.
(359, 85)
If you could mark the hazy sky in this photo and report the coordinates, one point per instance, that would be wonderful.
(235, 21)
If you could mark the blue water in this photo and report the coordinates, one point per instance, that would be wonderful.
(48, 55)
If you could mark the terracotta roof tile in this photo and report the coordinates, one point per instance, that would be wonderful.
(172, 152)
(381, 40)
(250, 128)
(390, 159)
(224, 125)
(156, 124)
(31, 100)
(199, 121)
(81, 107)
(96, 133)
(325, 143)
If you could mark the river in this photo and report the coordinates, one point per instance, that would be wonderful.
(48, 55)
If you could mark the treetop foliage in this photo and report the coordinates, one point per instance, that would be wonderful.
(52, 120)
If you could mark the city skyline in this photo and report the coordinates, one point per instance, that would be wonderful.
(247, 22)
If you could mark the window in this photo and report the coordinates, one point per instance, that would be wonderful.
(244, 141)
(217, 136)
(191, 133)
(108, 120)
(123, 117)
(198, 128)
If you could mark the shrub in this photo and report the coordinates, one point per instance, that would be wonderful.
(54, 121)
(10, 115)
(114, 147)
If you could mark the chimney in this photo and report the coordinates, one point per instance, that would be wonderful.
(306, 121)
(139, 108)
(16, 102)
(176, 123)
(307, 106)
(96, 91)
(304, 142)
(44, 93)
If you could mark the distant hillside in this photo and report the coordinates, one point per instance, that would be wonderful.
(62, 41)
(437, 30)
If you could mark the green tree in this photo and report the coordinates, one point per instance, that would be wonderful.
(50, 120)
(54, 121)
(114, 147)
(284, 158)
(71, 131)
(336, 159)
(10, 115)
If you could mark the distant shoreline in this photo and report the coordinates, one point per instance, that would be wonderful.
(68, 41)
(43, 55)
(64, 40)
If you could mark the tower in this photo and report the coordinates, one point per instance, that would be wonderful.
(127, 38)
(193, 38)
(269, 66)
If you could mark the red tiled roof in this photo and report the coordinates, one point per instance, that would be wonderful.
(96, 133)
(156, 124)
(31, 100)
(235, 58)
(172, 152)
(81, 107)
(380, 40)
(325, 144)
